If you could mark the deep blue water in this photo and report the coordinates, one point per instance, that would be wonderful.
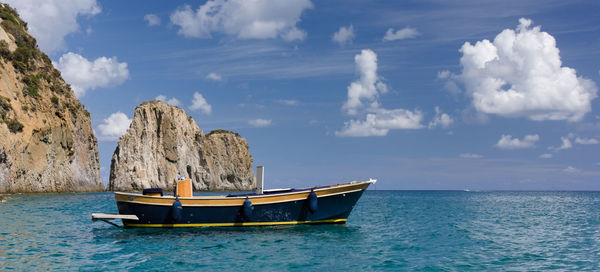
(388, 230)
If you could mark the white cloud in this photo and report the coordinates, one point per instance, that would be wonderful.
(381, 121)
(378, 121)
(449, 81)
(441, 119)
(214, 76)
(85, 75)
(199, 103)
(344, 35)
(444, 74)
(368, 87)
(519, 74)
(571, 170)
(470, 156)
(288, 102)
(546, 156)
(452, 87)
(173, 101)
(566, 144)
(51, 20)
(508, 142)
(293, 35)
(258, 19)
(114, 126)
(401, 34)
(152, 19)
(260, 122)
(586, 141)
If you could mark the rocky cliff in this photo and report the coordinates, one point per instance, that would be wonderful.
(46, 139)
(163, 141)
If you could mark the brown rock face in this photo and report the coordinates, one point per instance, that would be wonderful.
(229, 160)
(163, 141)
(46, 139)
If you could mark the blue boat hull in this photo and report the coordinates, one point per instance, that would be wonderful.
(331, 209)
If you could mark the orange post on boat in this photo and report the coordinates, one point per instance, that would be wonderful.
(184, 188)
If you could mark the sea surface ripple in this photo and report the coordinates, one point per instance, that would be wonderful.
(388, 230)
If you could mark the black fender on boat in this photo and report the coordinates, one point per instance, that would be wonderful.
(312, 202)
(247, 209)
(176, 210)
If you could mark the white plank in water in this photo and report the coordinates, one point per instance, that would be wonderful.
(96, 216)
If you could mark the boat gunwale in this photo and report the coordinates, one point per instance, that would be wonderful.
(302, 196)
(251, 196)
(224, 201)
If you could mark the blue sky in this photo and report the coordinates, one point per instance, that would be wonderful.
(334, 91)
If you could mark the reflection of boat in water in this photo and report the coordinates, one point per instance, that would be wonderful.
(330, 204)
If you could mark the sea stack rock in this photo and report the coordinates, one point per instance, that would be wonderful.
(163, 141)
(46, 139)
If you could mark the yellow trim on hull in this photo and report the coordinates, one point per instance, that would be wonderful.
(237, 224)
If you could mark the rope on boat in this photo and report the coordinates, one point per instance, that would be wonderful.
(381, 205)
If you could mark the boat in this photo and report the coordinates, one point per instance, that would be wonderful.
(329, 204)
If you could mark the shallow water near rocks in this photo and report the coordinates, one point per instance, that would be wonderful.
(388, 230)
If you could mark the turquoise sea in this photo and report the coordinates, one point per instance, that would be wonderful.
(387, 231)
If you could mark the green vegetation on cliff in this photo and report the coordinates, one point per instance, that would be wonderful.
(26, 53)
(32, 83)
(13, 125)
(36, 70)
(222, 131)
(5, 107)
(36, 66)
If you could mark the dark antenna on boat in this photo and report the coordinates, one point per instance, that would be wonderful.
(260, 178)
